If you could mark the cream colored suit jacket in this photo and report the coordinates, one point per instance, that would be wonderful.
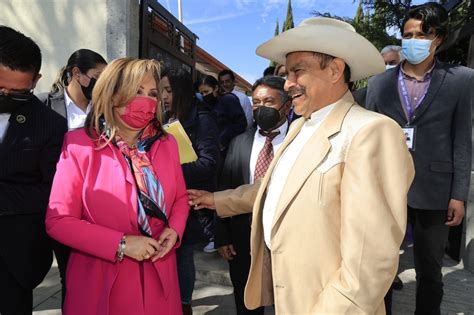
(339, 221)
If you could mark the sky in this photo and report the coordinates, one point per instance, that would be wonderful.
(231, 30)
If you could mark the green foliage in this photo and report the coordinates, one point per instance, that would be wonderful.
(289, 18)
(371, 23)
(277, 31)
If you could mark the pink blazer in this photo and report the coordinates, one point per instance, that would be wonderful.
(93, 203)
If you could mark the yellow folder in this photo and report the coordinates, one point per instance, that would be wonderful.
(186, 151)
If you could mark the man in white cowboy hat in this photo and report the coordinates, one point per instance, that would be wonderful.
(330, 214)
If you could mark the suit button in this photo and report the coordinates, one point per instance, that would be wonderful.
(279, 286)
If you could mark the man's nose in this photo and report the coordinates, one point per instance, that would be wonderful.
(288, 84)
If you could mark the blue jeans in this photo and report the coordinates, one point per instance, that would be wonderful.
(186, 272)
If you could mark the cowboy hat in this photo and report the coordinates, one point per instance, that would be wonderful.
(328, 36)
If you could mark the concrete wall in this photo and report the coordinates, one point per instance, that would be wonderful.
(109, 27)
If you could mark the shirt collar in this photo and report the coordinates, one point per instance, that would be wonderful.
(282, 129)
(69, 102)
(319, 115)
(426, 77)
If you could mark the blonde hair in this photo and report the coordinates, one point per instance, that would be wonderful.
(116, 86)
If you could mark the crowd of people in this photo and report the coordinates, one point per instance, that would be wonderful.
(305, 189)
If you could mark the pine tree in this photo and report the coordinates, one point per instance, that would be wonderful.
(277, 31)
(359, 17)
(289, 18)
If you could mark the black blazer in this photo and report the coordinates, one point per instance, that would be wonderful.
(28, 156)
(442, 153)
(201, 128)
(236, 172)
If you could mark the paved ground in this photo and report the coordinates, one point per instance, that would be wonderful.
(213, 294)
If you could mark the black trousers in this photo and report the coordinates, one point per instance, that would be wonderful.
(61, 252)
(14, 299)
(239, 267)
(430, 235)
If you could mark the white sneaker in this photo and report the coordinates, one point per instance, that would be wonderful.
(209, 248)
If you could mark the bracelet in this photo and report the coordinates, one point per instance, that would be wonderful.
(121, 249)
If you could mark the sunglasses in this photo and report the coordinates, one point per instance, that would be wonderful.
(18, 96)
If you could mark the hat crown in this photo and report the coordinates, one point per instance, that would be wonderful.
(323, 21)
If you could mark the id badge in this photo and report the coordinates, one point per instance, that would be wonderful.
(410, 136)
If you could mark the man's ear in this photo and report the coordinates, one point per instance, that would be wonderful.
(36, 79)
(337, 67)
(438, 41)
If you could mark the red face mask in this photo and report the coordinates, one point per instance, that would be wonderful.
(139, 111)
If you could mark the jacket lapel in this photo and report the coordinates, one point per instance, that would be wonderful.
(439, 73)
(393, 104)
(259, 200)
(246, 152)
(313, 153)
(17, 123)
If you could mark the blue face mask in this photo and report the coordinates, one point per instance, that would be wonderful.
(416, 50)
(388, 67)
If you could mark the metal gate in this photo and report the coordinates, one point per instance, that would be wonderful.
(166, 39)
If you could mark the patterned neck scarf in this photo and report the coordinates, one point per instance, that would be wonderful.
(151, 199)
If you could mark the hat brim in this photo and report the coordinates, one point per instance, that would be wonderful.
(362, 57)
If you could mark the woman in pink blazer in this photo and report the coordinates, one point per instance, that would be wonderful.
(119, 200)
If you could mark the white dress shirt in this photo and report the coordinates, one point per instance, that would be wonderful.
(283, 168)
(4, 125)
(259, 142)
(76, 117)
(246, 106)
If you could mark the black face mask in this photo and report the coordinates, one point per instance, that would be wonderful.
(267, 118)
(87, 90)
(210, 99)
(9, 105)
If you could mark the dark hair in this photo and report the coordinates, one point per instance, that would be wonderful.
(273, 82)
(226, 72)
(84, 59)
(210, 81)
(432, 15)
(18, 52)
(324, 60)
(269, 71)
(181, 84)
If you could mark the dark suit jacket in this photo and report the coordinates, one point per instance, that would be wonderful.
(236, 172)
(201, 128)
(442, 153)
(28, 156)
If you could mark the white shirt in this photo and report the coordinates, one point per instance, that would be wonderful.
(75, 116)
(283, 168)
(259, 142)
(4, 125)
(246, 106)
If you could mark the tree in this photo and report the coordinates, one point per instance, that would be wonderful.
(277, 31)
(288, 24)
(370, 23)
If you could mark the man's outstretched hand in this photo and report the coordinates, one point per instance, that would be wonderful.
(201, 199)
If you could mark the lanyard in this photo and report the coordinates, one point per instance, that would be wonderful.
(407, 107)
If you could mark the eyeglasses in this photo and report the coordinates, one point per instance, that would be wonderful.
(18, 96)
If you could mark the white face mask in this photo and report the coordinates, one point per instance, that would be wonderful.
(388, 67)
